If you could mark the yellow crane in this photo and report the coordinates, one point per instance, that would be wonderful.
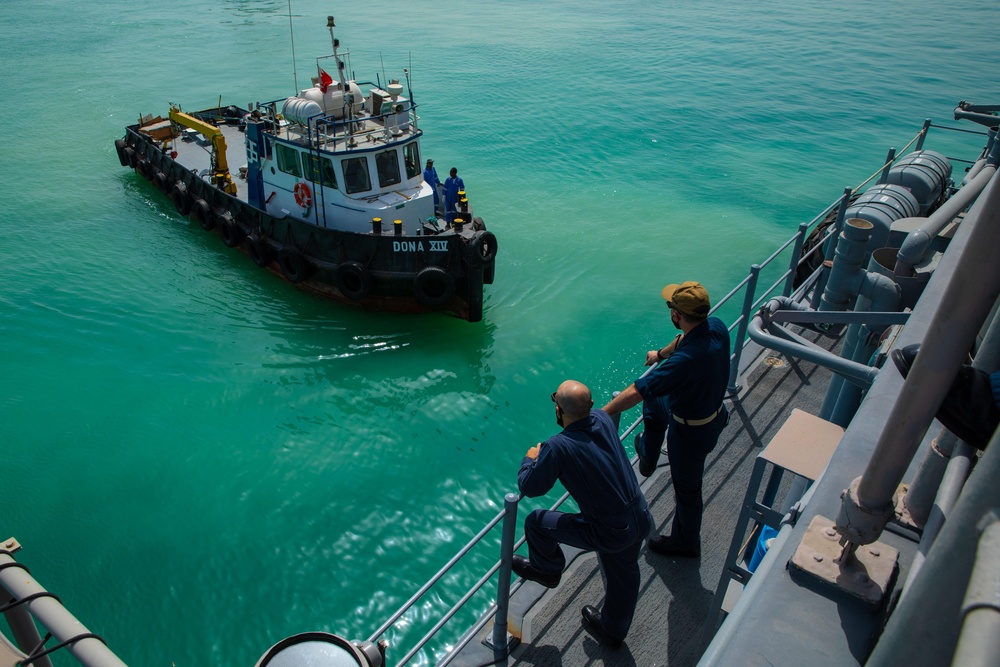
(220, 166)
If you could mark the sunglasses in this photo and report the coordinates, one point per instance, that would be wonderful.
(553, 397)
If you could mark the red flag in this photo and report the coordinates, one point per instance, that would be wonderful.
(324, 80)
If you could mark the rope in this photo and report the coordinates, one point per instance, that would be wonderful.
(72, 640)
(28, 598)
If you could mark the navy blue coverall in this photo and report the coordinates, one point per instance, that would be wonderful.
(614, 519)
(452, 186)
(688, 386)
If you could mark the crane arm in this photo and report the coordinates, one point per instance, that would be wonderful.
(213, 134)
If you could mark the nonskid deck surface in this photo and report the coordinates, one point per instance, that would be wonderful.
(676, 593)
(194, 152)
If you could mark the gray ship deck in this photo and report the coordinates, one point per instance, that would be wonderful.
(676, 593)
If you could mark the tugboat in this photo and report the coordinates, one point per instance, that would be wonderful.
(331, 197)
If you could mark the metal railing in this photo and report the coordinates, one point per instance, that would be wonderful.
(783, 281)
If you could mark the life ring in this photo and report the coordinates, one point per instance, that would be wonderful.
(303, 195)
(231, 233)
(120, 149)
(352, 280)
(433, 287)
(294, 265)
(179, 196)
(481, 248)
(259, 251)
(202, 214)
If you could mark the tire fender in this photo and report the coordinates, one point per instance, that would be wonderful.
(202, 214)
(120, 149)
(433, 287)
(231, 233)
(179, 196)
(353, 281)
(294, 265)
(258, 249)
(481, 248)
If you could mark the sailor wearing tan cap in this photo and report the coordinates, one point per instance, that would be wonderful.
(682, 398)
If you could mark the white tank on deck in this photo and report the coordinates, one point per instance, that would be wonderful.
(332, 101)
(299, 110)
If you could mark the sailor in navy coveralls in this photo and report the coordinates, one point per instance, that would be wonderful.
(614, 519)
(682, 398)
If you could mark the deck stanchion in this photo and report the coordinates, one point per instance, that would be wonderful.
(741, 332)
(499, 642)
(793, 263)
(889, 159)
(923, 135)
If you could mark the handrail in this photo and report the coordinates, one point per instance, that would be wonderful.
(752, 301)
(32, 604)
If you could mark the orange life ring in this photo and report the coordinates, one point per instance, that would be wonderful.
(303, 196)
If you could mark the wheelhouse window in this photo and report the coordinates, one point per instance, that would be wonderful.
(356, 177)
(288, 160)
(387, 165)
(411, 156)
(324, 174)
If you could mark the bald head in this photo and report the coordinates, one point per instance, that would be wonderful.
(574, 399)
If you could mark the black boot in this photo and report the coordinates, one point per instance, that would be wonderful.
(647, 460)
(969, 410)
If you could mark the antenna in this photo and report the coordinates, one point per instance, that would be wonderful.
(336, 56)
(295, 74)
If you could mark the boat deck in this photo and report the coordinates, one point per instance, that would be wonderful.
(194, 152)
(676, 593)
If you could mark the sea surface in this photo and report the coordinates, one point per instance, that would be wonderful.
(200, 460)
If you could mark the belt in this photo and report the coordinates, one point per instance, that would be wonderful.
(698, 422)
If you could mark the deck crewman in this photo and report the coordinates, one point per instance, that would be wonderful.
(614, 519)
(431, 178)
(452, 186)
(682, 399)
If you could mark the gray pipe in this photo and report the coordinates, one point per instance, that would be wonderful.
(954, 323)
(925, 627)
(979, 643)
(861, 373)
(918, 498)
(841, 288)
(848, 264)
(953, 480)
(986, 119)
(973, 172)
(880, 294)
(830, 246)
(919, 240)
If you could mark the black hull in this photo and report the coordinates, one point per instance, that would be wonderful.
(385, 272)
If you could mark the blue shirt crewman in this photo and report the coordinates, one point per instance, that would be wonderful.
(614, 519)
(452, 186)
(431, 178)
(682, 399)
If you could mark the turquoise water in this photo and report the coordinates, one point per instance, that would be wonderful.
(201, 460)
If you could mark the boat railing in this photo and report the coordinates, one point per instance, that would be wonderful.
(781, 268)
(28, 603)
